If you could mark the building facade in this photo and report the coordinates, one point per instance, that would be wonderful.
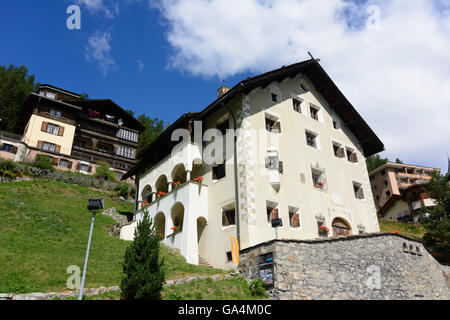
(300, 150)
(77, 133)
(389, 179)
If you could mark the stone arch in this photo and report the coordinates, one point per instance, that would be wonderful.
(146, 194)
(160, 223)
(179, 173)
(162, 184)
(177, 215)
(341, 227)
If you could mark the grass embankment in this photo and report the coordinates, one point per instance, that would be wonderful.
(44, 228)
(408, 229)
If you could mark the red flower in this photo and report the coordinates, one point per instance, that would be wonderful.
(395, 231)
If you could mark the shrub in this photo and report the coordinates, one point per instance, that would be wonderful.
(43, 162)
(257, 288)
(103, 172)
(122, 189)
(9, 169)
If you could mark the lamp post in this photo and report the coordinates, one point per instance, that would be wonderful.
(94, 206)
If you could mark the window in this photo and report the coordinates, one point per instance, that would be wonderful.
(318, 178)
(385, 182)
(273, 124)
(50, 95)
(48, 146)
(127, 135)
(314, 113)
(383, 172)
(55, 113)
(219, 171)
(272, 211)
(359, 192)
(80, 143)
(294, 217)
(52, 128)
(388, 193)
(84, 167)
(229, 256)
(228, 216)
(378, 198)
(297, 105)
(311, 139)
(335, 125)
(274, 97)
(103, 149)
(124, 152)
(338, 150)
(110, 118)
(65, 163)
(9, 148)
(351, 155)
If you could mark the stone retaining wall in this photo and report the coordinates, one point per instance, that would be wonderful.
(377, 266)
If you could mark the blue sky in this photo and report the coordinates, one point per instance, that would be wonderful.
(166, 58)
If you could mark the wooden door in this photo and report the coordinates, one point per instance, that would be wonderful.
(340, 228)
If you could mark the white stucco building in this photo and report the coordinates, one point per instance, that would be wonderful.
(301, 149)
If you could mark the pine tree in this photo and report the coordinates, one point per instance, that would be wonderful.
(143, 270)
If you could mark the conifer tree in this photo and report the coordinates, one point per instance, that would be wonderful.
(143, 270)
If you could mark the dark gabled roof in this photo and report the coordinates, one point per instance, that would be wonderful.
(161, 146)
(108, 106)
(370, 143)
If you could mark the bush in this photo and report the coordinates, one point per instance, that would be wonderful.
(122, 189)
(43, 162)
(257, 288)
(9, 169)
(103, 172)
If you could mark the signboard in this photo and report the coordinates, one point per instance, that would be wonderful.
(266, 269)
(235, 250)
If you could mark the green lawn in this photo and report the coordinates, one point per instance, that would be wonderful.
(44, 228)
(407, 229)
(228, 289)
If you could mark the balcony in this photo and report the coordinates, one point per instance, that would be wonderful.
(10, 136)
(186, 206)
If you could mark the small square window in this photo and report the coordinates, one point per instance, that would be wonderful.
(314, 113)
(311, 139)
(338, 150)
(228, 216)
(219, 171)
(294, 217)
(55, 113)
(352, 156)
(274, 97)
(297, 105)
(229, 256)
(64, 163)
(272, 124)
(359, 192)
(318, 179)
(272, 211)
(388, 193)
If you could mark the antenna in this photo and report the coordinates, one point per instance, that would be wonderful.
(313, 57)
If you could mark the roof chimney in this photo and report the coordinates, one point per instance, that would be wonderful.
(222, 90)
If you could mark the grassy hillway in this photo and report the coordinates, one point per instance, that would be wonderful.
(44, 228)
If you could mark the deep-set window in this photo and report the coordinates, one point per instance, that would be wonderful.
(338, 150)
(127, 135)
(52, 128)
(219, 171)
(359, 192)
(314, 113)
(272, 211)
(297, 105)
(8, 148)
(46, 146)
(273, 125)
(55, 113)
(64, 163)
(351, 155)
(311, 139)
(274, 97)
(318, 178)
(294, 217)
(228, 216)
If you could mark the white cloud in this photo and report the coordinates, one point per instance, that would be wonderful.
(98, 6)
(140, 64)
(98, 51)
(396, 76)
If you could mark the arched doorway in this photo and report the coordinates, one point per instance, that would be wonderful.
(177, 214)
(161, 184)
(160, 224)
(179, 174)
(341, 227)
(147, 194)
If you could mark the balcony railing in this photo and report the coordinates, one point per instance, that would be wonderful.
(10, 136)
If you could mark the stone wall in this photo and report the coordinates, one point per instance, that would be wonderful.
(376, 267)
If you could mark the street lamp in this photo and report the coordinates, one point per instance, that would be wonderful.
(94, 206)
(276, 223)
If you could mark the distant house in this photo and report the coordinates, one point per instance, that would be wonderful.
(409, 205)
(391, 178)
(75, 133)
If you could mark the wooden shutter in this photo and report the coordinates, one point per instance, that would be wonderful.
(44, 126)
(341, 153)
(360, 193)
(61, 131)
(39, 144)
(14, 149)
(57, 149)
(280, 166)
(55, 161)
(78, 166)
(69, 165)
(90, 169)
(295, 220)
(225, 221)
(276, 127)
